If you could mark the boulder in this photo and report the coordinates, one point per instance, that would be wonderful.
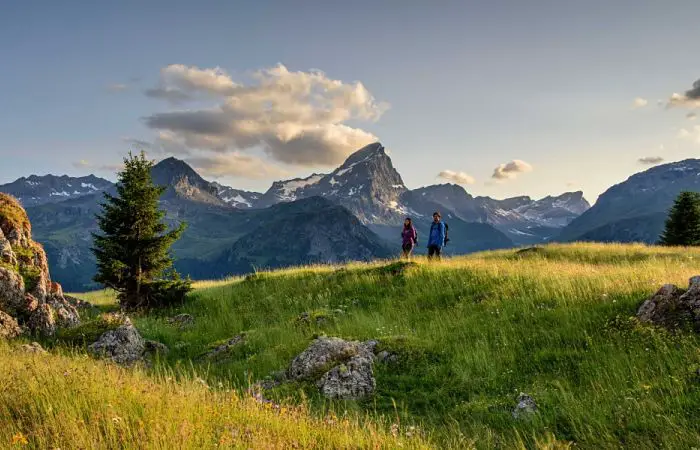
(341, 369)
(672, 307)
(9, 328)
(664, 307)
(78, 303)
(525, 408)
(123, 345)
(351, 380)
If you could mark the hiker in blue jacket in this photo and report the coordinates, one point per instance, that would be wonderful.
(436, 240)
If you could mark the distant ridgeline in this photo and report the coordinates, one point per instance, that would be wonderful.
(351, 213)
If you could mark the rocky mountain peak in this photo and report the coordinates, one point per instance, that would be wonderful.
(184, 182)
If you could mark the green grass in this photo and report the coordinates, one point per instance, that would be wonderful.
(470, 334)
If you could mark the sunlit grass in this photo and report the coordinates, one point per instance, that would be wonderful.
(472, 332)
(72, 402)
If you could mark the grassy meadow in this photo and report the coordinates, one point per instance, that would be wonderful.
(470, 333)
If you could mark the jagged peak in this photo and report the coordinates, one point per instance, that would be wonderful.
(171, 170)
(365, 153)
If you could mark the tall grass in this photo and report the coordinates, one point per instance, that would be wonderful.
(470, 334)
(72, 402)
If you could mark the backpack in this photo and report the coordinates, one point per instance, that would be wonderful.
(446, 228)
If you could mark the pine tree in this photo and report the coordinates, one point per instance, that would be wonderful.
(132, 249)
(683, 223)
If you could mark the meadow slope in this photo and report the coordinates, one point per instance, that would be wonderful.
(470, 333)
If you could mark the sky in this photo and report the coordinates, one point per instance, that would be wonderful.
(504, 97)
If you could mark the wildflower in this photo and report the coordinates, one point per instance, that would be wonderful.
(19, 439)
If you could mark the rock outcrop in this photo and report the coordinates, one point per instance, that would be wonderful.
(672, 307)
(9, 328)
(27, 293)
(341, 369)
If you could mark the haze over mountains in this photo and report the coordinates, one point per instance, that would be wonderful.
(351, 213)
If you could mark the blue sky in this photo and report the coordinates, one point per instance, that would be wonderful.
(469, 85)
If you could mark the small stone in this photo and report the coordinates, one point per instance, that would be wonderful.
(525, 408)
(224, 348)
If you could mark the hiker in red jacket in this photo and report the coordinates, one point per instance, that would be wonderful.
(409, 238)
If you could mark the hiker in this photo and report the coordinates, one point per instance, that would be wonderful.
(436, 240)
(409, 238)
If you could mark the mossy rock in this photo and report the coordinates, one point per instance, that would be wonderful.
(12, 215)
(31, 276)
(409, 350)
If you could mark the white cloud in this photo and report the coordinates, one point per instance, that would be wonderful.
(457, 177)
(294, 117)
(510, 170)
(650, 160)
(639, 103)
(690, 99)
(691, 116)
(234, 164)
(690, 134)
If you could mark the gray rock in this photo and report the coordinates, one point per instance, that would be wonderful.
(341, 369)
(664, 307)
(220, 350)
(181, 320)
(9, 328)
(350, 381)
(525, 408)
(34, 347)
(123, 346)
(671, 306)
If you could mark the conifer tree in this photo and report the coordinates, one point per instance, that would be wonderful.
(683, 223)
(132, 249)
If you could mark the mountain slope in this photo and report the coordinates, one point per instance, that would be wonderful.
(37, 190)
(651, 192)
(308, 231)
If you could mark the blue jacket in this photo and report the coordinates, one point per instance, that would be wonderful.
(437, 234)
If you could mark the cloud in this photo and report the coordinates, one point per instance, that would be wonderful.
(117, 87)
(296, 118)
(510, 170)
(174, 96)
(650, 160)
(456, 177)
(639, 103)
(85, 164)
(82, 164)
(691, 116)
(690, 134)
(234, 164)
(691, 98)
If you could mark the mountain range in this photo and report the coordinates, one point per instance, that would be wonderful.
(351, 213)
